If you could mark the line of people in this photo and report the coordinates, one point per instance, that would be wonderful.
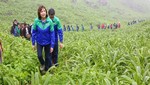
(109, 26)
(135, 22)
(71, 28)
(99, 26)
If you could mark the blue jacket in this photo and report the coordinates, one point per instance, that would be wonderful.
(58, 30)
(43, 32)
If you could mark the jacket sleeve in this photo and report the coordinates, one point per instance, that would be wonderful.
(34, 31)
(60, 32)
(52, 35)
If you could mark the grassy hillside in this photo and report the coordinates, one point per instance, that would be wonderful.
(78, 12)
(105, 57)
(102, 57)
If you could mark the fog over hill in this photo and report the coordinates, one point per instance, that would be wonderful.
(76, 11)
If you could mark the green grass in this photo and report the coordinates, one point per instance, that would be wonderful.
(69, 13)
(104, 57)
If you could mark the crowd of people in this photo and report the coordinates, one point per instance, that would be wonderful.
(24, 30)
(45, 33)
(99, 26)
(21, 30)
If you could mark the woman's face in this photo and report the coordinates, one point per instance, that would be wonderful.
(43, 13)
(15, 22)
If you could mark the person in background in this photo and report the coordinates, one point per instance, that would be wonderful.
(22, 30)
(68, 27)
(119, 25)
(15, 23)
(30, 28)
(14, 29)
(43, 36)
(115, 26)
(72, 28)
(98, 26)
(64, 27)
(77, 27)
(91, 26)
(27, 32)
(103, 26)
(58, 32)
(110, 26)
(1, 50)
(82, 27)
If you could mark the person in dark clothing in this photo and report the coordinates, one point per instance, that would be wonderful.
(68, 28)
(128, 23)
(77, 27)
(30, 27)
(27, 32)
(23, 30)
(115, 26)
(58, 35)
(15, 23)
(14, 29)
(98, 26)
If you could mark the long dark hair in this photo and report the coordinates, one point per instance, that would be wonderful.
(14, 23)
(39, 10)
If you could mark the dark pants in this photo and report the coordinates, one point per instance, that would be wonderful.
(55, 54)
(47, 61)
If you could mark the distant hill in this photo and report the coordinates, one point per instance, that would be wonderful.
(75, 11)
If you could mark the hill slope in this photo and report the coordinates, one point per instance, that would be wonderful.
(105, 57)
(92, 57)
(77, 12)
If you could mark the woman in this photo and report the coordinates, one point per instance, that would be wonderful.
(14, 29)
(43, 35)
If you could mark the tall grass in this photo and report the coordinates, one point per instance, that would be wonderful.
(104, 57)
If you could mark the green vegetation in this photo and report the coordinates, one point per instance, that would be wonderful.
(72, 13)
(102, 57)
(105, 57)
